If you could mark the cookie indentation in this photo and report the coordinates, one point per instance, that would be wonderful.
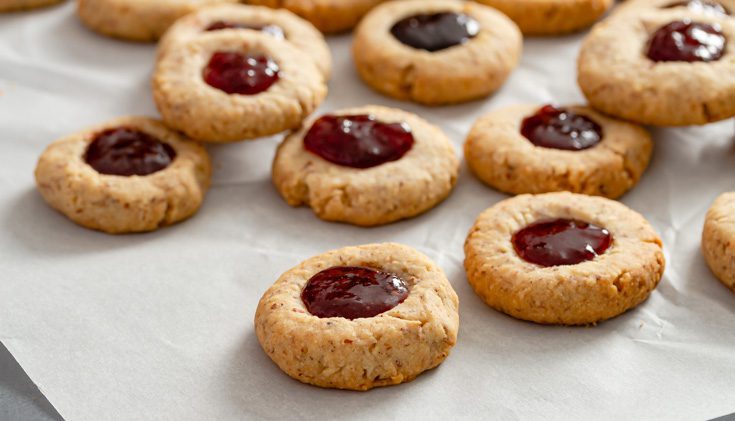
(561, 242)
(272, 30)
(688, 41)
(560, 128)
(436, 31)
(236, 73)
(127, 152)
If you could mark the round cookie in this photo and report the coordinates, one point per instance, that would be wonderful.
(407, 323)
(585, 259)
(716, 7)
(15, 5)
(436, 52)
(226, 86)
(629, 68)
(132, 174)
(530, 149)
(718, 239)
(551, 17)
(366, 166)
(281, 24)
(329, 16)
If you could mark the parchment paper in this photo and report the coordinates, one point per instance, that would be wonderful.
(159, 326)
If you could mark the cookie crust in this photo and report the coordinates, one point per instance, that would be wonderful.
(391, 348)
(551, 17)
(718, 239)
(16, 5)
(581, 294)
(329, 16)
(499, 155)
(396, 190)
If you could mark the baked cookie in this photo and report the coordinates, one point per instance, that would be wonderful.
(634, 65)
(359, 317)
(551, 17)
(15, 5)
(329, 16)
(527, 149)
(281, 24)
(436, 52)
(715, 7)
(225, 86)
(563, 258)
(718, 239)
(366, 166)
(131, 174)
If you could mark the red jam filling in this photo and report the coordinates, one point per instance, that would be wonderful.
(561, 242)
(127, 152)
(687, 41)
(437, 31)
(272, 30)
(702, 6)
(353, 292)
(559, 128)
(358, 141)
(235, 73)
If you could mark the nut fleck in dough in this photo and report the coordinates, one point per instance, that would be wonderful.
(391, 348)
(551, 17)
(618, 79)
(15, 5)
(189, 104)
(299, 32)
(718, 239)
(329, 16)
(396, 190)
(136, 20)
(461, 73)
(504, 159)
(118, 204)
(585, 293)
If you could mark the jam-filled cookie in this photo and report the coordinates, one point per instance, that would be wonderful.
(436, 51)
(551, 17)
(132, 174)
(563, 258)
(718, 239)
(136, 20)
(661, 66)
(329, 16)
(13, 5)
(531, 149)
(281, 24)
(366, 166)
(359, 317)
(225, 86)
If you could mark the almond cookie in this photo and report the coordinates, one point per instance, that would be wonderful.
(366, 166)
(551, 17)
(225, 86)
(634, 66)
(329, 16)
(436, 52)
(563, 258)
(718, 239)
(281, 24)
(527, 149)
(14, 5)
(131, 174)
(359, 317)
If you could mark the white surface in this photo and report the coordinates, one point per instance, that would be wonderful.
(159, 326)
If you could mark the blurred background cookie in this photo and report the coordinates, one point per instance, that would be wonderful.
(329, 16)
(718, 239)
(551, 17)
(14, 5)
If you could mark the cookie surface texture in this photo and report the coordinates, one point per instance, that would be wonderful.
(718, 239)
(551, 17)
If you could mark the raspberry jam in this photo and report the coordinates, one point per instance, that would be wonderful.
(689, 41)
(236, 73)
(127, 151)
(272, 30)
(358, 141)
(353, 292)
(702, 6)
(559, 128)
(561, 242)
(437, 31)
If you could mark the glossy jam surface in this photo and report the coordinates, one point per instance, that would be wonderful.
(561, 242)
(559, 128)
(126, 151)
(687, 41)
(272, 30)
(358, 141)
(236, 73)
(434, 32)
(702, 6)
(353, 292)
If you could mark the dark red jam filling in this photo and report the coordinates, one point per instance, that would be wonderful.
(437, 31)
(559, 128)
(126, 151)
(689, 41)
(358, 141)
(561, 242)
(353, 292)
(241, 74)
(703, 6)
(272, 30)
